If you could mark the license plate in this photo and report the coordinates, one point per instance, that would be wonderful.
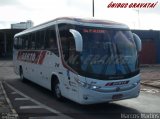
(117, 96)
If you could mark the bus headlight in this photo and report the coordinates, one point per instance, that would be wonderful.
(86, 85)
(94, 87)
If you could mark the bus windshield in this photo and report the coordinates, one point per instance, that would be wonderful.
(107, 53)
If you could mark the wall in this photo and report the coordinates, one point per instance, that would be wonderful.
(6, 42)
(150, 46)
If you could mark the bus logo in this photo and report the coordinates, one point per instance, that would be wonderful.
(35, 57)
(117, 83)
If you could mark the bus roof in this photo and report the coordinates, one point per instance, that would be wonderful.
(78, 21)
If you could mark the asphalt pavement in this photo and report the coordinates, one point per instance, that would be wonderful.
(150, 75)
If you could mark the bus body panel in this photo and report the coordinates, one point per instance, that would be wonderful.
(37, 72)
(69, 86)
(41, 74)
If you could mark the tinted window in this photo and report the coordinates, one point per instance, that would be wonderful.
(26, 44)
(20, 43)
(16, 43)
(40, 35)
(51, 40)
(107, 53)
(67, 41)
(33, 41)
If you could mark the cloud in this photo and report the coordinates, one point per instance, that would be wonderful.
(50, 9)
(4, 24)
(150, 21)
(9, 2)
(79, 4)
(155, 10)
(40, 11)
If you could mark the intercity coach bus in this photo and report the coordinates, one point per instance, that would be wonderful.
(85, 60)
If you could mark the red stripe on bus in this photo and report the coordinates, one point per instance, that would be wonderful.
(41, 57)
(36, 57)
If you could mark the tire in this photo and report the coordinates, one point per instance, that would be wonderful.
(21, 74)
(57, 91)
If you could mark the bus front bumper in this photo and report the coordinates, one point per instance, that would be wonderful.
(92, 97)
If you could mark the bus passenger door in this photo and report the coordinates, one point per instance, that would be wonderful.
(69, 86)
(73, 85)
(67, 46)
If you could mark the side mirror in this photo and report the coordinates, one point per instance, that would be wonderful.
(138, 42)
(78, 40)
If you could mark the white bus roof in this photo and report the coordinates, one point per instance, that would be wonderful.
(77, 21)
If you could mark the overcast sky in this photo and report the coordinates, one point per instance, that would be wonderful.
(39, 11)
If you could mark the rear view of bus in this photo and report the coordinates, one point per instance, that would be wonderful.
(95, 61)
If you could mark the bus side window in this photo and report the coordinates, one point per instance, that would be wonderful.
(26, 42)
(51, 40)
(20, 43)
(40, 40)
(29, 41)
(23, 41)
(33, 41)
(16, 43)
(67, 42)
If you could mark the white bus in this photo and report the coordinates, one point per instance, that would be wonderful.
(85, 60)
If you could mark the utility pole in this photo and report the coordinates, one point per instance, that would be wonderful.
(139, 22)
(139, 19)
(93, 8)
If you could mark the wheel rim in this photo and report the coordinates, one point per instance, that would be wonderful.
(57, 91)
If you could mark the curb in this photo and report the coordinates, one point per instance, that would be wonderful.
(14, 113)
(150, 85)
(149, 65)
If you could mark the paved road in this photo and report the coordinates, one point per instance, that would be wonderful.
(31, 100)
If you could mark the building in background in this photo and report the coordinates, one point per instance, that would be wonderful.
(7, 35)
(150, 53)
(6, 42)
(22, 25)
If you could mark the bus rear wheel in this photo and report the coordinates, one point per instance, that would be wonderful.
(21, 74)
(57, 91)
